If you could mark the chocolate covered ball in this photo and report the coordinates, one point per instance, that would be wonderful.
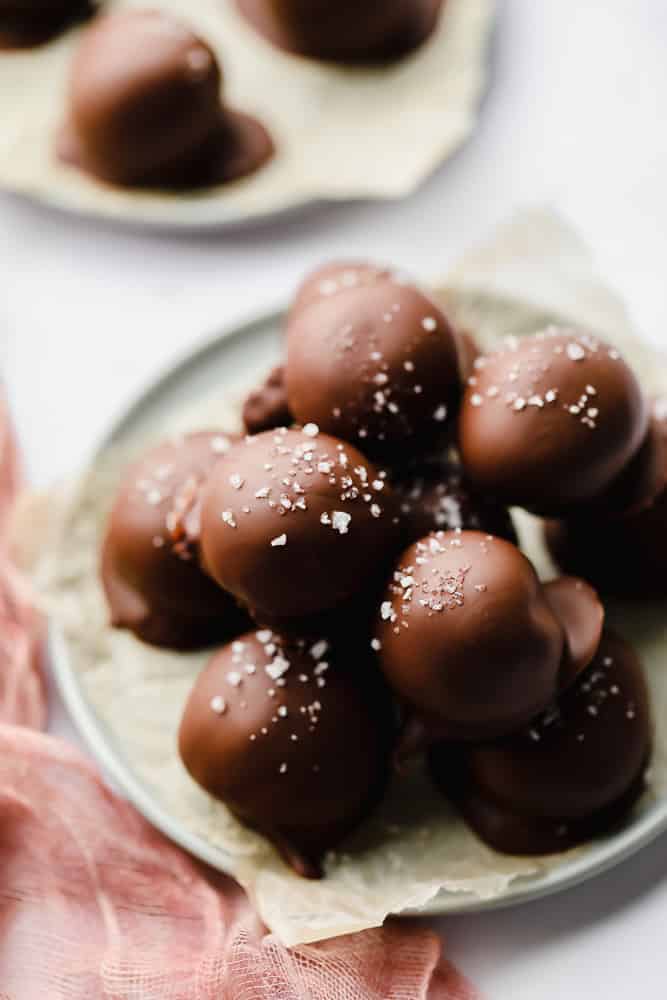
(24, 23)
(623, 554)
(346, 31)
(149, 567)
(551, 420)
(266, 407)
(144, 108)
(434, 495)
(294, 737)
(295, 522)
(473, 643)
(376, 364)
(571, 775)
(337, 276)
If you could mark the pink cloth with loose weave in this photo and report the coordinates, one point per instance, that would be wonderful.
(95, 904)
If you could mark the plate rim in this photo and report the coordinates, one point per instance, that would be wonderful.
(607, 853)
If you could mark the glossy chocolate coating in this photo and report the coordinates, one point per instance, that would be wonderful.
(376, 364)
(551, 421)
(470, 641)
(144, 108)
(335, 277)
(435, 496)
(266, 407)
(25, 23)
(295, 522)
(345, 31)
(623, 555)
(294, 737)
(571, 774)
(149, 568)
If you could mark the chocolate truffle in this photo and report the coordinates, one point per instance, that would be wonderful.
(572, 774)
(624, 554)
(435, 496)
(24, 23)
(337, 276)
(266, 407)
(551, 420)
(295, 522)
(376, 364)
(473, 643)
(345, 31)
(150, 570)
(144, 108)
(294, 737)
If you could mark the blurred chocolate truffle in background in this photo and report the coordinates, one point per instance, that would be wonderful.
(293, 737)
(472, 642)
(572, 774)
(295, 522)
(145, 108)
(149, 567)
(345, 31)
(24, 23)
(376, 364)
(434, 495)
(551, 420)
(266, 407)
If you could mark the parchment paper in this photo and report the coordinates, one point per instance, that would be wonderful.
(340, 133)
(415, 846)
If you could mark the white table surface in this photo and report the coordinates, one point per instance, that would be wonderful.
(575, 117)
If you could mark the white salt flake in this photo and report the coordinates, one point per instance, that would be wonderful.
(277, 667)
(279, 541)
(575, 352)
(340, 521)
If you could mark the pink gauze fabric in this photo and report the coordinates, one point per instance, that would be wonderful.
(96, 904)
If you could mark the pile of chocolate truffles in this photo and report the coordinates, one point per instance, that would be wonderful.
(355, 556)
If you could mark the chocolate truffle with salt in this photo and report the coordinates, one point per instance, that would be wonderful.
(24, 23)
(572, 774)
(623, 554)
(551, 420)
(295, 522)
(376, 364)
(337, 276)
(144, 108)
(345, 31)
(294, 737)
(149, 566)
(473, 643)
